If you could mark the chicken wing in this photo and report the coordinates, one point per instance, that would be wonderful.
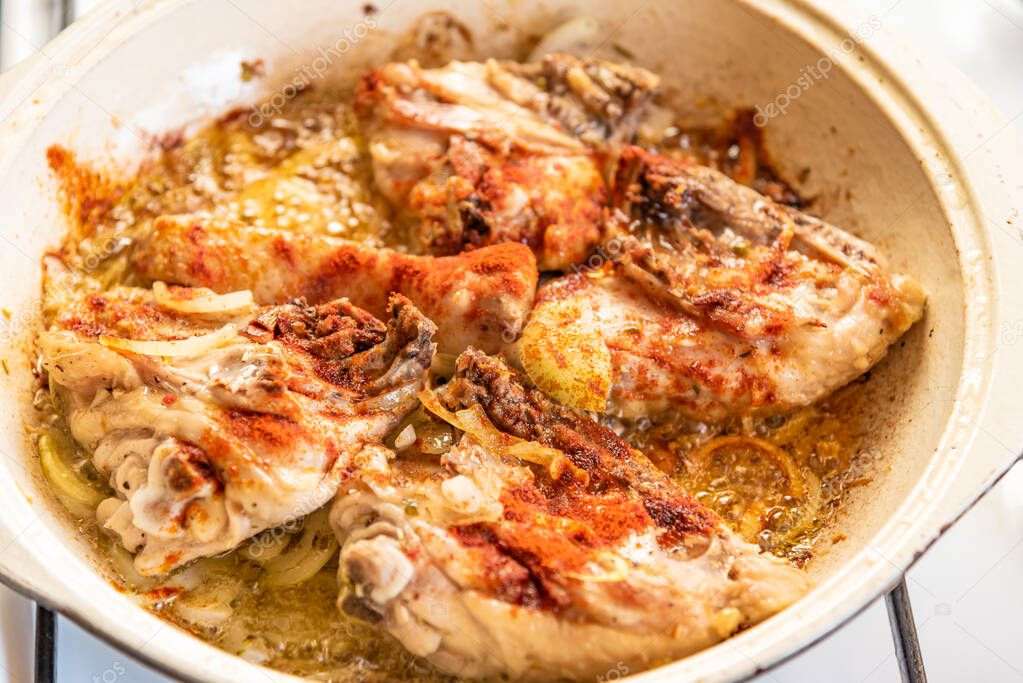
(214, 426)
(481, 153)
(480, 298)
(541, 527)
(715, 301)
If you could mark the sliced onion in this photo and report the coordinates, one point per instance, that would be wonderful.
(702, 455)
(265, 546)
(474, 422)
(191, 346)
(564, 354)
(310, 563)
(64, 479)
(201, 300)
(208, 611)
(803, 485)
(304, 559)
(124, 564)
(406, 437)
(443, 364)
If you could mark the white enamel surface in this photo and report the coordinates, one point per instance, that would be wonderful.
(130, 69)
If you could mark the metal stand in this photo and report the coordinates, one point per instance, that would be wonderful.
(907, 645)
(46, 645)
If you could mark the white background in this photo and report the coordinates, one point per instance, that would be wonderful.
(967, 591)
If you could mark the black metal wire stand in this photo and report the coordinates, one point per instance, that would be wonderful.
(907, 644)
(46, 645)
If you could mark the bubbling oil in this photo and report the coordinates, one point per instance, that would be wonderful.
(307, 169)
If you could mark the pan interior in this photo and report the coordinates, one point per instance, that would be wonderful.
(711, 54)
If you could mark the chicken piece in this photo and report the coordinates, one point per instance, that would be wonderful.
(598, 101)
(481, 298)
(213, 428)
(722, 302)
(480, 153)
(482, 561)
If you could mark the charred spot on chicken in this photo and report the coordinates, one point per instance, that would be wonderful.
(212, 428)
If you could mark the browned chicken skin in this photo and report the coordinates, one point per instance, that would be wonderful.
(213, 427)
(482, 153)
(483, 563)
(714, 300)
(479, 298)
